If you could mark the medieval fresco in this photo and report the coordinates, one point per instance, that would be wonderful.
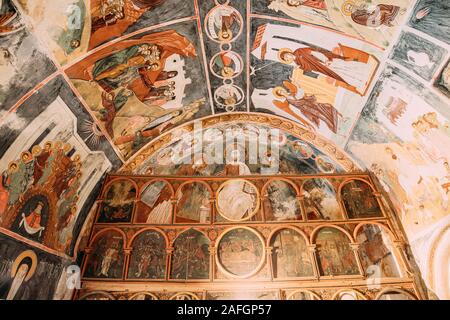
(443, 80)
(139, 87)
(148, 258)
(335, 255)
(431, 17)
(48, 174)
(224, 150)
(22, 269)
(155, 204)
(237, 200)
(79, 26)
(373, 21)
(190, 259)
(282, 202)
(321, 200)
(421, 56)
(18, 73)
(119, 202)
(193, 204)
(400, 137)
(240, 252)
(376, 252)
(290, 255)
(320, 79)
(106, 261)
(359, 200)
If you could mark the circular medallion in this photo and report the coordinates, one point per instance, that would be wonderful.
(228, 96)
(240, 252)
(223, 24)
(325, 164)
(184, 296)
(302, 150)
(237, 200)
(226, 65)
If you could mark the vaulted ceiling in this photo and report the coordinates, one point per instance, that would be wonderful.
(116, 84)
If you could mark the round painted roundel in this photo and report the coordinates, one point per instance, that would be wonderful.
(224, 24)
(240, 252)
(237, 200)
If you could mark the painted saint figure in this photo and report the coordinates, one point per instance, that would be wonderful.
(32, 222)
(382, 14)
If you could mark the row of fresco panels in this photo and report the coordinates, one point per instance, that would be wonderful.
(241, 253)
(237, 200)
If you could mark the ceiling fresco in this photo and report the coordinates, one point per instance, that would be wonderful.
(89, 87)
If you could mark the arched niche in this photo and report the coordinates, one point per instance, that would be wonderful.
(106, 260)
(290, 254)
(395, 294)
(377, 251)
(193, 203)
(303, 295)
(190, 258)
(118, 203)
(97, 295)
(280, 201)
(334, 253)
(349, 294)
(359, 201)
(143, 296)
(148, 256)
(155, 203)
(320, 200)
(184, 296)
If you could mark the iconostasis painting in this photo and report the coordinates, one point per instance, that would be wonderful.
(302, 295)
(237, 200)
(148, 258)
(155, 205)
(282, 202)
(320, 200)
(400, 137)
(359, 200)
(240, 252)
(335, 255)
(22, 269)
(190, 258)
(193, 204)
(290, 255)
(377, 252)
(106, 261)
(50, 164)
(119, 202)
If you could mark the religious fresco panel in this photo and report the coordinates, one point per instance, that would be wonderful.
(310, 75)
(143, 86)
(334, 253)
(23, 62)
(155, 205)
(190, 259)
(373, 21)
(79, 26)
(193, 204)
(50, 164)
(119, 202)
(282, 203)
(148, 258)
(290, 255)
(443, 80)
(106, 261)
(400, 137)
(359, 200)
(22, 269)
(377, 252)
(320, 200)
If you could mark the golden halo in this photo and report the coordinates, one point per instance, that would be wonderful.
(347, 7)
(281, 51)
(12, 164)
(36, 150)
(26, 254)
(276, 93)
